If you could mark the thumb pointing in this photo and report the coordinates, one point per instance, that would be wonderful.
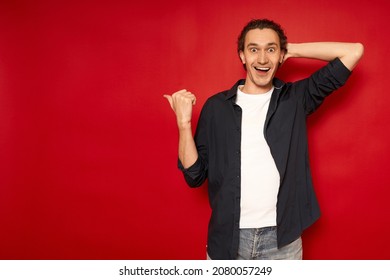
(169, 98)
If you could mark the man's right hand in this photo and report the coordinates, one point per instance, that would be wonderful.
(181, 103)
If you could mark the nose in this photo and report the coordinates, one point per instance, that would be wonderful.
(262, 57)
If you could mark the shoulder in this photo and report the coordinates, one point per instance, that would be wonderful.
(218, 97)
(225, 95)
(220, 103)
(215, 103)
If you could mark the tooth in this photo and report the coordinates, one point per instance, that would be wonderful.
(262, 68)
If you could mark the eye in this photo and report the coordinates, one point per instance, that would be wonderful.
(271, 50)
(253, 50)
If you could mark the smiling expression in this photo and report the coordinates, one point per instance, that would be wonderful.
(261, 55)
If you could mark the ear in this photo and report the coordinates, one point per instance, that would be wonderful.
(282, 54)
(242, 57)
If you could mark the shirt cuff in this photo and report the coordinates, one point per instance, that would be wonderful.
(191, 171)
(340, 71)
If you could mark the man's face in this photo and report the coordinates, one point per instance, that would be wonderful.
(261, 55)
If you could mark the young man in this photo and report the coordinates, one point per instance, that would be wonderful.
(251, 144)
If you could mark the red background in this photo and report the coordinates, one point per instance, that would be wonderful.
(88, 145)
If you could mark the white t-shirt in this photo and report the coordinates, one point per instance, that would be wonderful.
(260, 178)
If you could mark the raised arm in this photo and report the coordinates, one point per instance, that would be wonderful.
(181, 103)
(348, 53)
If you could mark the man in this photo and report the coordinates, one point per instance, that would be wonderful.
(251, 144)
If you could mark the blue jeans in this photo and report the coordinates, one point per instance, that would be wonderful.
(261, 244)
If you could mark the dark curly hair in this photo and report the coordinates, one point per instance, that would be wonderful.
(262, 24)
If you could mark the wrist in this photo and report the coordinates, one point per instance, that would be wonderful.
(292, 50)
(184, 125)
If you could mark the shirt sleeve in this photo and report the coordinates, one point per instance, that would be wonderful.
(194, 175)
(322, 83)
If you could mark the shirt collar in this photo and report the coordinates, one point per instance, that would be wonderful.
(278, 84)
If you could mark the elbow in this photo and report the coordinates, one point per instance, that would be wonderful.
(358, 50)
(195, 183)
(352, 56)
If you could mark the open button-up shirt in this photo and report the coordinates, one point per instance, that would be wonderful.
(218, 142)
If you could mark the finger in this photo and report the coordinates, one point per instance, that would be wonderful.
(182, 91)
(192, 97)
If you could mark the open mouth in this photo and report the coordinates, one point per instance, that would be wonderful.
(262, 69)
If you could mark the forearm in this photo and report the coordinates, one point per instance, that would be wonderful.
(187, 148)
(181, 103)
(348, 53)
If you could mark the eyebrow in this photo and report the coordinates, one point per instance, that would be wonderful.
(256, 45)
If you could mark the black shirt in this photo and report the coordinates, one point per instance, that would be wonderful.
(218, 141)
